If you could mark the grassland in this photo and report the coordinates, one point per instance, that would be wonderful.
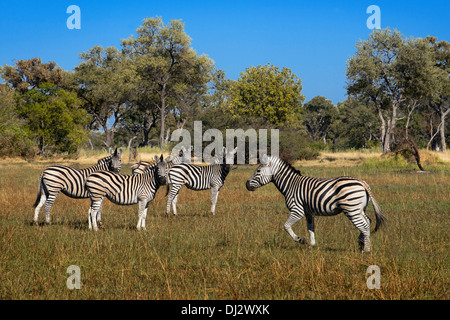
(240, 253)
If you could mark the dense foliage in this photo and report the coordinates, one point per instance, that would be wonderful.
(137, 95)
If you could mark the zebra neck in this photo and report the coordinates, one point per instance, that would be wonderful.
(282, 177)
(150, 177)
(101, 165)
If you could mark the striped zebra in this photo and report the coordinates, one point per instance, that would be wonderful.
(69, 181)
(197, 177)
(308, 196)
(125, 190)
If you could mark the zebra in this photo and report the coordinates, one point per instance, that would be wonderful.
(309, 196)
(197, 177)
(141, 166)
(125, 190)
(69, 181)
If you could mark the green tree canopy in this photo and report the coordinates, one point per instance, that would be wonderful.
(104, 82)
(318, 115)
(269, 93)
(29, 74)
(171, 74)
(54, 118)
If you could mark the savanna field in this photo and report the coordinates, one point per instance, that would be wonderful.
(240, 253)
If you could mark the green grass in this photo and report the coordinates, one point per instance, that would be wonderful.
(240, 253)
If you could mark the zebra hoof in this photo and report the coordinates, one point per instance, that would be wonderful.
(302, 241)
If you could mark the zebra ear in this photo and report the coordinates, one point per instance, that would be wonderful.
(161, 158)
(156, 158)
(264, 159)
(120, 151)
(111, 152)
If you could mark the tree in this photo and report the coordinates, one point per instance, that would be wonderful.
(14, 135)
(268, 93)
(54, 118)
(373, 73)
(318, 116)
(356, 125)
(438, 96)
(44, 112)
(29, 74)
(170, 72)
(104, 81)
(396, 74)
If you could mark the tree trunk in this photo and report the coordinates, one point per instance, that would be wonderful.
(163, 127)
(109, 137)
(162, 117)
(382, 127)
(390, 129)
(443, 114)
(129, 148)
(149, 124)
(410, 108)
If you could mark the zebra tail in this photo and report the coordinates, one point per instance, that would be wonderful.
(38, 197)
(380, 218)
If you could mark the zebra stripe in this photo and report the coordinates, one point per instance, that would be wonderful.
(197, 177)
(309, 196)
(125, 190)
(69, 181)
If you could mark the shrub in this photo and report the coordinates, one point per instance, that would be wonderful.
(295, 145)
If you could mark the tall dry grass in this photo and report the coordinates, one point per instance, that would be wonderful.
(240, 253)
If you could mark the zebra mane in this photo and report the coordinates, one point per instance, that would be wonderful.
(149, 167)
(287, 164)
(104, 160)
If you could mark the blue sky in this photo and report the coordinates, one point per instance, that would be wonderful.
(313, 38)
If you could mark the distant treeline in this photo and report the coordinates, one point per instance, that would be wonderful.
(155, 83)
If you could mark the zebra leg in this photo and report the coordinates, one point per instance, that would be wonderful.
(95, 206)
(99, 216)
(89, 217)
(361, 222)
(310, 226)
(174, 204)
(214, 195)
(142, 215)
(38, 208)
(48, 205)
(172, 195)
(293, 219)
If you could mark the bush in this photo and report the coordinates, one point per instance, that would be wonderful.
(295, 145)
(14, 142)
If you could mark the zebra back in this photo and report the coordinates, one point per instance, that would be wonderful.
(70, 180)
(126, 189)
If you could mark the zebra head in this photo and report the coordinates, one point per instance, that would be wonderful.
(262, 175)
(162, 171)
(228, 158)
(182, 157)
(116, 162)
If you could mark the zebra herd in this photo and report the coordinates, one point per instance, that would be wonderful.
(305, 196)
